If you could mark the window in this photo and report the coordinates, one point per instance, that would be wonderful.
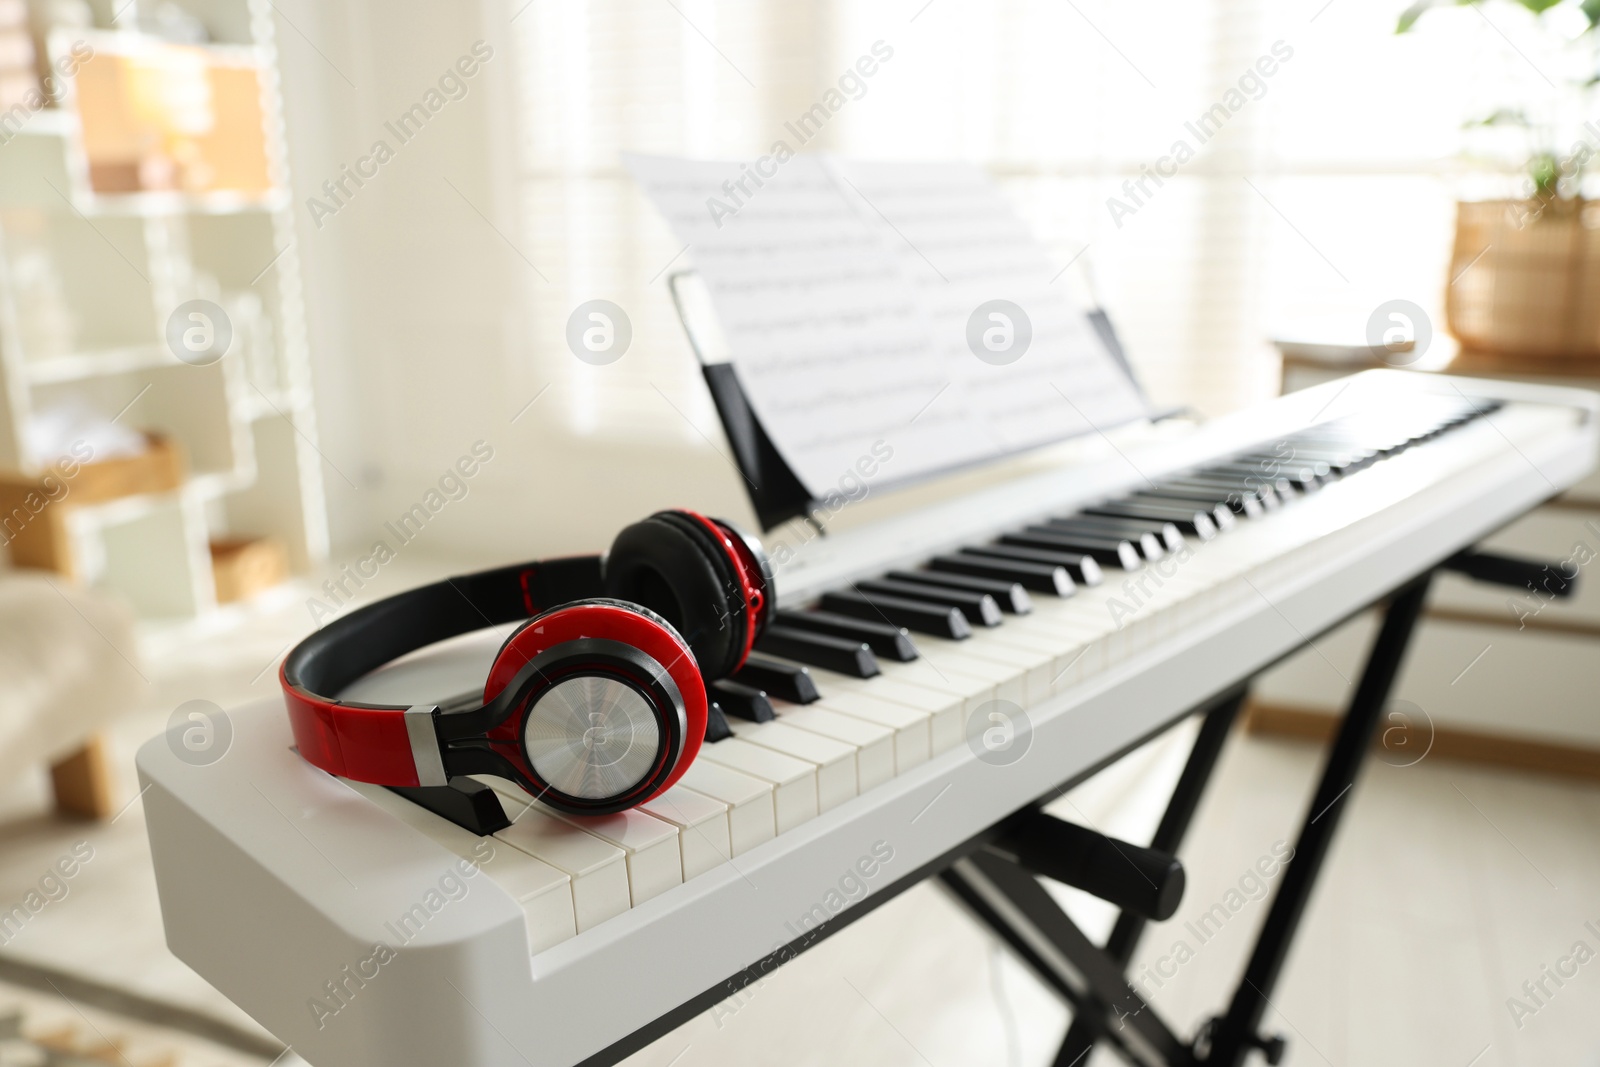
(1324, 192)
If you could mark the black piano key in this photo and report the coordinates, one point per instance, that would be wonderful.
(716, 723)
(790, 681)
(1039, 577)
(1172, 520)
(1302, 476)
(885, 639)
(1009, 594)
(979, 608)
(1269, 493)
(1220, 506)
(742, 701)
(1167, 535)
(1232, 492)
(846, 655)
(921, 616)
(1341, 460)
(1256, 480)
(1108, 551)
(1084, 570)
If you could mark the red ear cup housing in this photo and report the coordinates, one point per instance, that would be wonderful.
(614, 710)
(710, 581)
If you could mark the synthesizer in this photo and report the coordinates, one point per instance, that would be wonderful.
(927, 675)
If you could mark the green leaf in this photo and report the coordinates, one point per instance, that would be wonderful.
(1503, 117)
(1538, 7)
(1545, 170)
(1409, 17)
(1591, 11)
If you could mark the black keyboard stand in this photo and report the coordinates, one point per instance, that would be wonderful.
(1106, 1008)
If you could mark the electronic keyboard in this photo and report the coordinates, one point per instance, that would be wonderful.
(928, 674)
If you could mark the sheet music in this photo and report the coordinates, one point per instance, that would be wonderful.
(846, 290)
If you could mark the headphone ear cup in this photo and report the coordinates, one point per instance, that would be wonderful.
(673, 566)
(592, 648)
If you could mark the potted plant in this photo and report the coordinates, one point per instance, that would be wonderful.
(1525, 271)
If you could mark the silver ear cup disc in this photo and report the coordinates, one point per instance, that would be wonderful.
(592, 737)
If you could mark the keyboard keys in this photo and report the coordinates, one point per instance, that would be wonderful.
(784, 681)
(599, 870)
(1218, 505)
(793, 781)
(979, 608)
(943, 694)
(885, 639)
(702, 824)
(1176, 519)
(655, 863)
(750, 811)
(1010, 595)
(843, 654)
(1248, 477)
(741, 701)
(835, 760)
(543, 892)
(1108, 551)
(1232, 493)
(1220, 496)
(874, 743)
(913, 739)
(1084, 570)
(1167, 536)
(716, 722)
(1039, 577)
(918, 615)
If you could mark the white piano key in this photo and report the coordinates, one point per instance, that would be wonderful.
(750, 811)
(947, 711)
(911, 726)
(835, 760)
(543, 893)
(655, 863)
(1027, 667)
(963, 657)
(794, 781)
(655, 858)
(874, 744)
(1058, 643)
(702, 824)
(599, 871)
(974, 684)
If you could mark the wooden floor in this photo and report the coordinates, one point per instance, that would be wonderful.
(1450, 886)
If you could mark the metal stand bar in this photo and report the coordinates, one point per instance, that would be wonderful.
(1009, 899)
(1125, 935)
(1238, 1033)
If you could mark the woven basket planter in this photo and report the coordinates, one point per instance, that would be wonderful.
(1525, 279)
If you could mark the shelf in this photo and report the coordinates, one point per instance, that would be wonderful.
(48, 122)
(209, 485)
(104, 363)
(164, 203)
(272, 404)
(97, 276)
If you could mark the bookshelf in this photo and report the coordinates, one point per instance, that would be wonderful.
(157, 177)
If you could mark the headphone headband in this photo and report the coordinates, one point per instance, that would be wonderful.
(369, 742)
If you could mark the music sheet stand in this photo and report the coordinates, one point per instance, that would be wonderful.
(776, 492)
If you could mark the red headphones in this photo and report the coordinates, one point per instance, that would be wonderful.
(596, 703)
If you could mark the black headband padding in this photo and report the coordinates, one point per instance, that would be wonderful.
(675, 567)
(364, 640)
